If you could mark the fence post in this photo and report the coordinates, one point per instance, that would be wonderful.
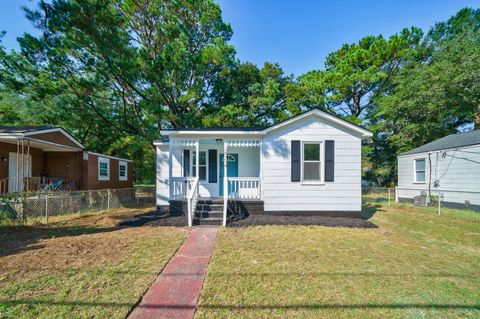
(46, 208)
(396, 194)
(108, 199)
(137, 197)
(438, 201)
(389, 193)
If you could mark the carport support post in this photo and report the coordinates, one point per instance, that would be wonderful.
(225, 182)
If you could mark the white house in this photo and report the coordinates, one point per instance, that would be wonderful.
(448, 167)
(309, 164)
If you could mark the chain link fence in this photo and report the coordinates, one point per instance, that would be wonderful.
(437, 198)
(440, 198)
(21, 207)
(378, 195)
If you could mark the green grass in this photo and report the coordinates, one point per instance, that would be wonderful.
(80, 271)
(415, 265)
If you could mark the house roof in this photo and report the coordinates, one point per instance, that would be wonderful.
(258, 131)
(448, 142)
(29, 132)
(23, 129)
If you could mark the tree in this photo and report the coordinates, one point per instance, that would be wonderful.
(249, 96)
(435, 93)
(356, 73)
(122, 69)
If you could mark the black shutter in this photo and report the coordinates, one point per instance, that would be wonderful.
(295, 154)
(212, 166)
(186, 163)
(329, 161)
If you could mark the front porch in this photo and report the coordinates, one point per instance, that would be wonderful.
(208, 188)
(30, 165)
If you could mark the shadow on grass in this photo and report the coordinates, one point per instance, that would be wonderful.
(299, 306)
(369, 210)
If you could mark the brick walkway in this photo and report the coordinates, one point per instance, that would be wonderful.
(175, 292)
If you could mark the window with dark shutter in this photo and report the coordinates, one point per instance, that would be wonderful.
(212, 166)
(329, 161)
(186, 163)
(296, 158)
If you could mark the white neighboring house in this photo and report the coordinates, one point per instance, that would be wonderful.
(308, 164)
(449, 167)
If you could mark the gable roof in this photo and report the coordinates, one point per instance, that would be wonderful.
(448, 142)
(30, 130)
(362, 132)
(22, 129)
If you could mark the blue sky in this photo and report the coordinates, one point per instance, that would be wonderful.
(298, 34)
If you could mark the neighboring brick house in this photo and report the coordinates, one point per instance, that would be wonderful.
(51, 157)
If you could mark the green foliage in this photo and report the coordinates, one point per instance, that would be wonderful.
(436, 93)
(114, 73)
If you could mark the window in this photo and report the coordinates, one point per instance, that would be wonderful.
(103, 169)
(202, 167)
(420, 170)
(122, 171)
(312, 165)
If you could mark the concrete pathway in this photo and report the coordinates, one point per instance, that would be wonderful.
(175, 292)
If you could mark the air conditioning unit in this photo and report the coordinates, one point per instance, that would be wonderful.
(421, 200)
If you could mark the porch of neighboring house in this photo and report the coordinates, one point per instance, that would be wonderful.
(30, 164)
(207, 187)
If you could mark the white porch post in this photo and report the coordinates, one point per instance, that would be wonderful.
(261, 171)
(197, 158)
(170, 169)
(225, 183)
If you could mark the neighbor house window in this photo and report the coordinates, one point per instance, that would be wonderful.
(420, 170)
(103, 169)
(122, 171)
(202, 167)
(312, 164)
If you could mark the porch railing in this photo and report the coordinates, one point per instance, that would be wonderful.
(192, 199)
(35, 184)
(181, 187)
(244, 187)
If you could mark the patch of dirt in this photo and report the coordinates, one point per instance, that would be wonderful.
(84, 251)
(255, 220)
(86, 241)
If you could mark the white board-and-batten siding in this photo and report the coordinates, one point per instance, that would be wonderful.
(281, 194)
(458, 173)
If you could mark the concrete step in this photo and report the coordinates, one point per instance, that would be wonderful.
(208, 221)
(209, 201)
(209, 207)
(206, 214)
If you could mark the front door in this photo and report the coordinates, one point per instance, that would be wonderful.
(232, 169)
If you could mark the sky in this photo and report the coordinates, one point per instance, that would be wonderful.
(298, 34)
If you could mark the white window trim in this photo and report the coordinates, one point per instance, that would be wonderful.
(192, 165)
(103, 160)
(123, 178)
(415, 170)
(322, 164)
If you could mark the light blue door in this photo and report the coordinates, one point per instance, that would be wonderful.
(232, 169)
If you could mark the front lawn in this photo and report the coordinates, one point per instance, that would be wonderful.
(415, 265)
(85, 267)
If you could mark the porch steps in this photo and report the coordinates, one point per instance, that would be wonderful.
(209, 212)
